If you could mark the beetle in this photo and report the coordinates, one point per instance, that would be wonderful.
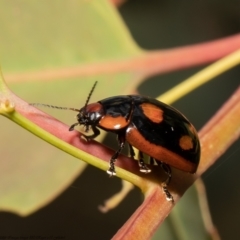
(151, 126)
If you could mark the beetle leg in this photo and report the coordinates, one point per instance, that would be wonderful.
(132, 153)
(87, 128)
(95, 130)
(142, 165)
(152, 161)
(166, 168)
(73, 126)
(111, 171)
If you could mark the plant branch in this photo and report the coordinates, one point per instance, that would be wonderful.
(201, 77)
(147, 63)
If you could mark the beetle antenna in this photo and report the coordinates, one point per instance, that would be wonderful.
(90, 94)
(51, 106)
(67, 108)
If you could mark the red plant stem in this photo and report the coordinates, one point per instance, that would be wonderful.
(145, 220)
(145, 64)
(220, 132)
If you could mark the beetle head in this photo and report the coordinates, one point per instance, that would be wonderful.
(89, 114)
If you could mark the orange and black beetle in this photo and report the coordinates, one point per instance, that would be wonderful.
(152, 127)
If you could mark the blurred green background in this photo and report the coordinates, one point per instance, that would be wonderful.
(154, 24)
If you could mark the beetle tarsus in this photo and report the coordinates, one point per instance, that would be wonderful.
(73, 126)
(169, 197)
(142, 165)
(111, 171)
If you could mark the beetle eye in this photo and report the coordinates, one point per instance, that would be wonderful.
(94, 116)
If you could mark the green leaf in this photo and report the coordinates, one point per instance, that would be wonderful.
(41, 34)
(45, 36)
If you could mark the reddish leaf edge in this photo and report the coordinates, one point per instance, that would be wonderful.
(145, 64)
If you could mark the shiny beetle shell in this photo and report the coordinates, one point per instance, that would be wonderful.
(149, 125)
